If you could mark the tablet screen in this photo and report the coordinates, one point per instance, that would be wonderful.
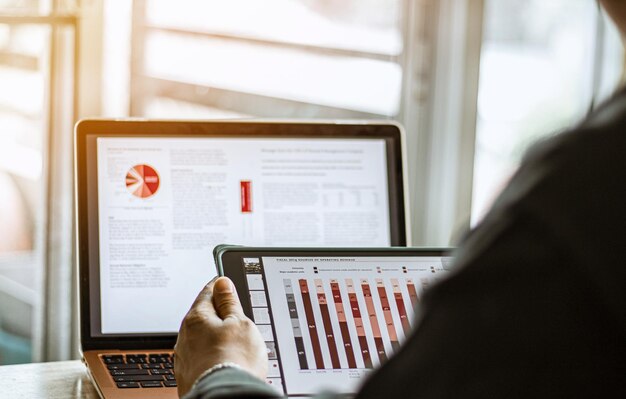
(329, 321)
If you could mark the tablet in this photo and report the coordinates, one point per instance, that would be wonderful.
(330, 316)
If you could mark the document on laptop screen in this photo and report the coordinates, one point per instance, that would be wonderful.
(164, 203)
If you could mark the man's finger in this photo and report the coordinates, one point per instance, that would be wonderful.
(206, 293)
(225, 299)
(204, 301)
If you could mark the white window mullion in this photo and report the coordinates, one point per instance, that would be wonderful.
(59, 316)
(439, 111)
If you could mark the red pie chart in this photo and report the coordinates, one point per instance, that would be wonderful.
(142, 181)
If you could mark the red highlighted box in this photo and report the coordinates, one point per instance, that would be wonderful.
(246, 196)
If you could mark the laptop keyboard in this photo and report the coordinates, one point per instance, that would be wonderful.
(141, 370)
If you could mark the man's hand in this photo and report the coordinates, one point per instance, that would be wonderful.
(215, 330)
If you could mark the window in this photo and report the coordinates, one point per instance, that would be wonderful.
(276, 58)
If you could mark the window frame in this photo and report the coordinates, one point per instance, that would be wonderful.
(52, 322)
(439, 114)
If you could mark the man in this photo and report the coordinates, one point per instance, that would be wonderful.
(535, 308)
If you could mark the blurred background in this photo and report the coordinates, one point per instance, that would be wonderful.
(475, 82)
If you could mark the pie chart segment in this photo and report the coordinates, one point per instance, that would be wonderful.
(151, 179)
(131, 180)
(142, 181)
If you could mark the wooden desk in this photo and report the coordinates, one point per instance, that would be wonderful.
(58, 380)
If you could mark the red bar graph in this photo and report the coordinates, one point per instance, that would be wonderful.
(358, 323)
(328, 327)
(343, 323)
(310, 319)
(412, 292)
(371, 312)
(384, 303)
(404, 318)
(295, 324)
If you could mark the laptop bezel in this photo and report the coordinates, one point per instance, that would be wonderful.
(202, 128)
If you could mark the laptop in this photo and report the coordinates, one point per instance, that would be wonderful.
(330, 316)
(153, 198)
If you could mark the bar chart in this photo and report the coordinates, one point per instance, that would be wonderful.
(336, 320)
(378, 310)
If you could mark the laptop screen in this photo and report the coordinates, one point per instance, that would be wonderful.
(158, 205)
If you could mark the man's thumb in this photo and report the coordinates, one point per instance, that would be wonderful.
(225, 299)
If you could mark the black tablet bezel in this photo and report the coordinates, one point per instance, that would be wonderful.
(85, 129)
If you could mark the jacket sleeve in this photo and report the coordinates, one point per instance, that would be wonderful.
(231, 383)
(234, 383)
